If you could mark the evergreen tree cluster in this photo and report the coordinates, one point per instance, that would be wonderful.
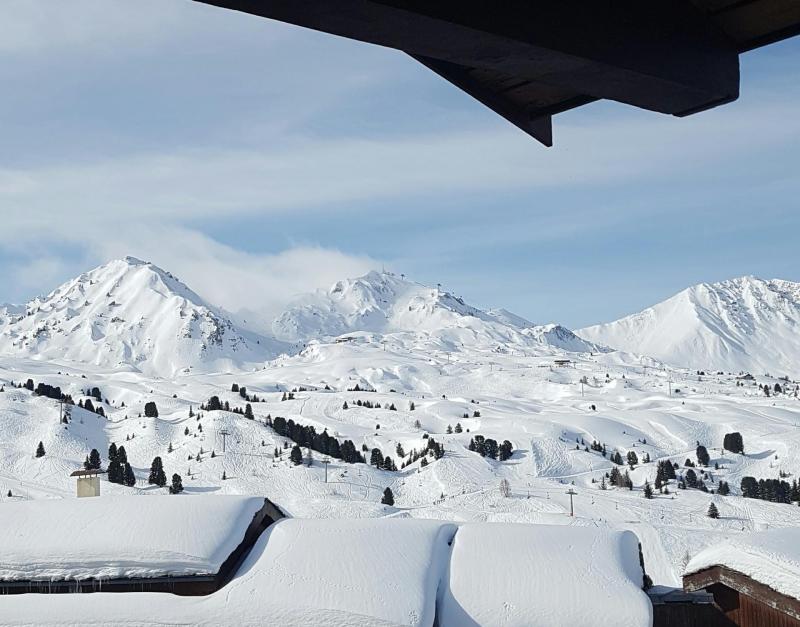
(119, 470)
(358, 388)
(307, 436)
(89, 406)
(599, 448)
(733, 442)
(619, 479)
(487, 447)
(177, 484)
(369, 405)
(214, 404)
(54, 392)
(379, 461)
(774, 490)
(93, 460)
(157, 475)
(242, 391)
(46, 390)
(664, 472)
(296, 455)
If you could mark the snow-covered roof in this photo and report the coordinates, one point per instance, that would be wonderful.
(516, 575)
(379, 572)
(769, 557)
(111, 537)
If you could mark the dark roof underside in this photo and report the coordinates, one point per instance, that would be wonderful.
(528, 60)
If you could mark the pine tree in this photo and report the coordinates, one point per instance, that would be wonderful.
(115, 472)
(399, 450)
(702, 455)
(296, 455)
(458, 428)
(112, 452)
(248, 412)
(733, 442)
(344, 405)
(376, 458)
(94, 460)
(170, 448)
(713, 512)
(122, 455)
(633, 460)
(129, 478)
(151, 411)
(224, 476)
(388, 497)
(157, 475)
(40, 450)
(648, 491)
(177, 484)
(449, 429)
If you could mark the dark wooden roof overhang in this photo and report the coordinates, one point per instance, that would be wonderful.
(743, 585)
(529, 60)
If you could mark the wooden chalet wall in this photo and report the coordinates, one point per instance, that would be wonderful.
(743, 601)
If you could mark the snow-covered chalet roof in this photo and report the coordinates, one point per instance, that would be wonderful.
(110, 537)
(768, 557)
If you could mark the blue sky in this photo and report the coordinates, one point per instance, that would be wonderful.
(258, 160)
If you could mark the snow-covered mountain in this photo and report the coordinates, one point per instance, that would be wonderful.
(129, 313)
(744, 324)
(382, 303)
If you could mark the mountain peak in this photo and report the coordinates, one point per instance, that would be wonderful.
(745, 323)
(131, 313)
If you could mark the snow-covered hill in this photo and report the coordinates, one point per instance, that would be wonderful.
(435, 369)
(382, 303)
(133, 315)
(745, 324)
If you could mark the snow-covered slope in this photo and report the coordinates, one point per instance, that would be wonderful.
(743, 324)
(130, 314)
(383, 303)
